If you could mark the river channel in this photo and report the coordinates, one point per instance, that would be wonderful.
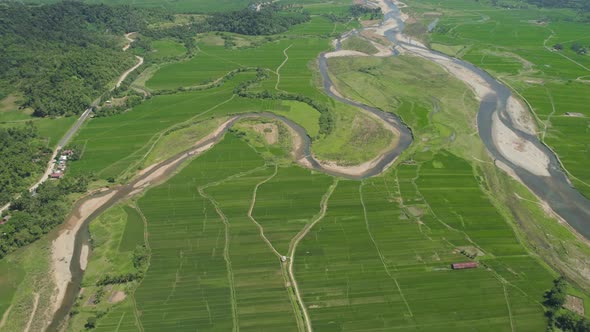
(556, 189)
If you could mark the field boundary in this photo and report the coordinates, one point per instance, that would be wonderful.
(293, 247)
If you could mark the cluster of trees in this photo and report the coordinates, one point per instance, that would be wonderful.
(62, 56)
(326, 120)
(23, 154)
(109, 279)
(132, 100)
(270, 19)
(35, 214)
(576, 47)
(140, 258)
(356, 12)
(559, 317)
(575, 4)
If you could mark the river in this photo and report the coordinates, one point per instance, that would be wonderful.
(556, 190)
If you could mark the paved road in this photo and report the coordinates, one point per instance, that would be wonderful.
(74, 129)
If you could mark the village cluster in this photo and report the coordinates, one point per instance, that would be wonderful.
(60, 164)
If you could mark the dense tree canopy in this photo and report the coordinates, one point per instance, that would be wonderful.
(60, 56)
(33, 215)
(23, 155)
(270, 19)
(576, 4)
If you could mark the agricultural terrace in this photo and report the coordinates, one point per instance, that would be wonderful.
(288, 64)
(380, 255)
(379, 258)
(517, 46)
(167, 49)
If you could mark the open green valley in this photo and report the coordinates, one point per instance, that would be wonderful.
(296, 165)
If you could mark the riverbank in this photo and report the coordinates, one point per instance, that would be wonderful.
(62, 248)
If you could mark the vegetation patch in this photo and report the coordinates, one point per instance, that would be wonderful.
(359, 44)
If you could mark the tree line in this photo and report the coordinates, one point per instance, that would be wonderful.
(326, 121)
(559, 317)
(270, 19)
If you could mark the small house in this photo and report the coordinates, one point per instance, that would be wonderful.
(464, 265)
(68, 152)
(63, 158)
(56, 175)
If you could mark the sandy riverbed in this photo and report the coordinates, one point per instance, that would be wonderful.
(342, 53)
(516, 149)
(62, 248)
(84, 257)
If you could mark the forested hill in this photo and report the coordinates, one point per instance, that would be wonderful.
(61, 56)
(575, 4)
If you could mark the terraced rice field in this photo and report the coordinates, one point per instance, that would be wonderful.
(380, 257)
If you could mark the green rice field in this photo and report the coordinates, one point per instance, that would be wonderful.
(516, 45)
(242, 237)
(380, 258)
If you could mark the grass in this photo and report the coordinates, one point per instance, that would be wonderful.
(187, 280)
(114, 236)
(24, 274)
(11, 276)
(359, 44)
(179, 140)
(134, 231)
(109, 151)
(302, 114)
(167, 48)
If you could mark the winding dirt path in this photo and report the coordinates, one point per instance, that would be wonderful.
(278, 71)
(293, 247)
(253, 203)
(35, 305)
(129, 71)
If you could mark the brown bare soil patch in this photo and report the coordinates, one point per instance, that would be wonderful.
(368, 23)
(269, 131)
(375, 36)
(415, 211)
(574, 304)
(9, 103)
(117, 296)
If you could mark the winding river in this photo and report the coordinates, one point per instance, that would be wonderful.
(556, 190)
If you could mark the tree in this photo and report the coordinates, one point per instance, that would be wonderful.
(555, 298)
